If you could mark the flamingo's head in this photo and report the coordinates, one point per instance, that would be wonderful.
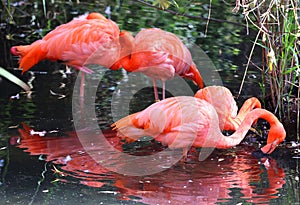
(276, 135)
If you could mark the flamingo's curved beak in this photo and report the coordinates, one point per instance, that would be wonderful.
(269, 148)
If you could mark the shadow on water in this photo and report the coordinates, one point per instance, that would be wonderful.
(65, 174)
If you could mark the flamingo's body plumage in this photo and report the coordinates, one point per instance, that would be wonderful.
(75, 43)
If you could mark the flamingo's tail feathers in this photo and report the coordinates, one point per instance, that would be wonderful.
(195, 75)
(124, 122)
(30, 55)
(128, 129)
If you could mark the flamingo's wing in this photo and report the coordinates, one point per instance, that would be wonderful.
(222, 100)
(162, 50)
(74, 43)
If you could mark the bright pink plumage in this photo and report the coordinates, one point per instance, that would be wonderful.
(89, 39)
(182, 122)
(222, 100)
(161, 55)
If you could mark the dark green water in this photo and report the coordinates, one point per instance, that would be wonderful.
(58, 170)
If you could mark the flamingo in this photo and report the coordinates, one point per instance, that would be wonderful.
(160, 55)
(182, 122)
(222, 100)
(88, 39)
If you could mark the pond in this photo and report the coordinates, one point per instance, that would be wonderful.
(45, 158)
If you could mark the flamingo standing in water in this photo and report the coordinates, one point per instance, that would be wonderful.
(182, 122)
(88, 39)
(161, 55)
(221, 98)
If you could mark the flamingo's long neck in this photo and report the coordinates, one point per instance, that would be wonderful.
(234, 123)
(240, 133)
(196, 76)
(248, 105)
(126, 44)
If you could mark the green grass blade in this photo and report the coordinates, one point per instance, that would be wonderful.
(14, 79)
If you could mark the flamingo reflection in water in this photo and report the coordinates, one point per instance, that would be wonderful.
(217, 179)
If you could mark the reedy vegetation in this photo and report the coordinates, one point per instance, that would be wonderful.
(278, 33)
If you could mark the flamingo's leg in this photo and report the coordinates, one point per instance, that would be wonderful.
(81, 91)
(155, 91)
(184, 154)
(163, 89)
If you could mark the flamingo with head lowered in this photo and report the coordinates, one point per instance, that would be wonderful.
(88, 39)
(182, 122)
(161, 55)
(221, 98)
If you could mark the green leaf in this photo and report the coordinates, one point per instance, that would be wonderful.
(14, 79)
(164, 4)
(289, 70)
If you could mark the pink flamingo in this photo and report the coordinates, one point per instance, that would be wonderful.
(161, 55)
(88, 39)
(182, 122)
